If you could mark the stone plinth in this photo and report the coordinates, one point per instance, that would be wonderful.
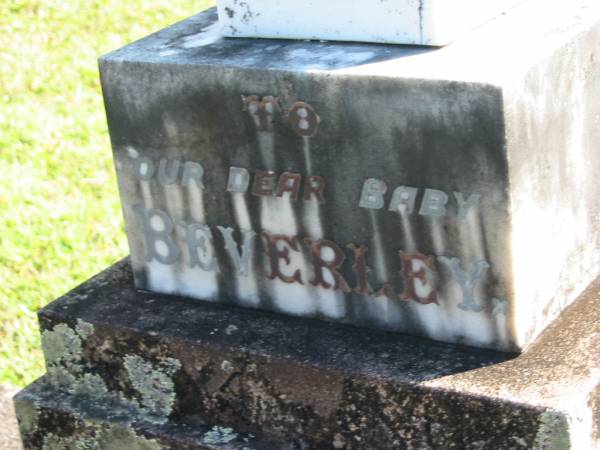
(170, 373)
(422, 22)
(54, 420)
(446, 193)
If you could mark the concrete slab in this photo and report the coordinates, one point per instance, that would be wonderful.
(313, 384)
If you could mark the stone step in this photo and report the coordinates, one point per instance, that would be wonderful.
(51, 419)
(317, 384)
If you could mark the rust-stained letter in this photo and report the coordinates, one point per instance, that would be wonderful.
(315, 185)
(304, 120)
(277, 253)
(261, 110)
(361, 269)
(289, 182)
(330, 262)
(414, 276)
(263, 183)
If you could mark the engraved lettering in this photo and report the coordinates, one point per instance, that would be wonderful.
(289, 182)
(278, 253)
(158, 235)
(500, 307)
(261, 110)
(465, 205)
(415, 268)
(239, 180)
(372, 194)
(199, 240)
(193, 172)
(361, 269)
(263, 183)
(303, 119)
(403, 200)
(241, 261)
(168, 171)
(144, 168)
(314, 187)
(327, 255)
(466, 280)
(434, 203)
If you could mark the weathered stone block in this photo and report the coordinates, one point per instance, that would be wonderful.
(423, 22)
(52, 419)
(445, 193)
(164, 372)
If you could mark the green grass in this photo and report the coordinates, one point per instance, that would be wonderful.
(60, 219)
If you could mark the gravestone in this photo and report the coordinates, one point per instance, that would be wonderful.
(411, 192)
(444, 193)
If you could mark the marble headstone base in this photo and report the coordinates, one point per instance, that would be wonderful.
(146, 371)
(448, 193)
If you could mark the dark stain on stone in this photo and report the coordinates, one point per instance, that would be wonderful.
(421, 25)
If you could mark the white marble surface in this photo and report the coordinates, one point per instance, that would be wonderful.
(505, 118)
(421, 22)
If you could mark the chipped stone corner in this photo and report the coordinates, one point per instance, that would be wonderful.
(553, 433)
(27, 415)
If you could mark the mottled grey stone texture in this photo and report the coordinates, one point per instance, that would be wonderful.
(311, 384)
(510, 115)
(53, 420)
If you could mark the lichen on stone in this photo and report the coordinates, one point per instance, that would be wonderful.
(153, 382)
(84, 329)
(53, 442)
(105, 438)
(61, 345)
(90, 386)
(219, 435)
(27, 414)
(68, 372)
(125, 438)
(62, 349)
(553, 433)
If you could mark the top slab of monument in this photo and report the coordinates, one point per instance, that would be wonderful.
(417, 22)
